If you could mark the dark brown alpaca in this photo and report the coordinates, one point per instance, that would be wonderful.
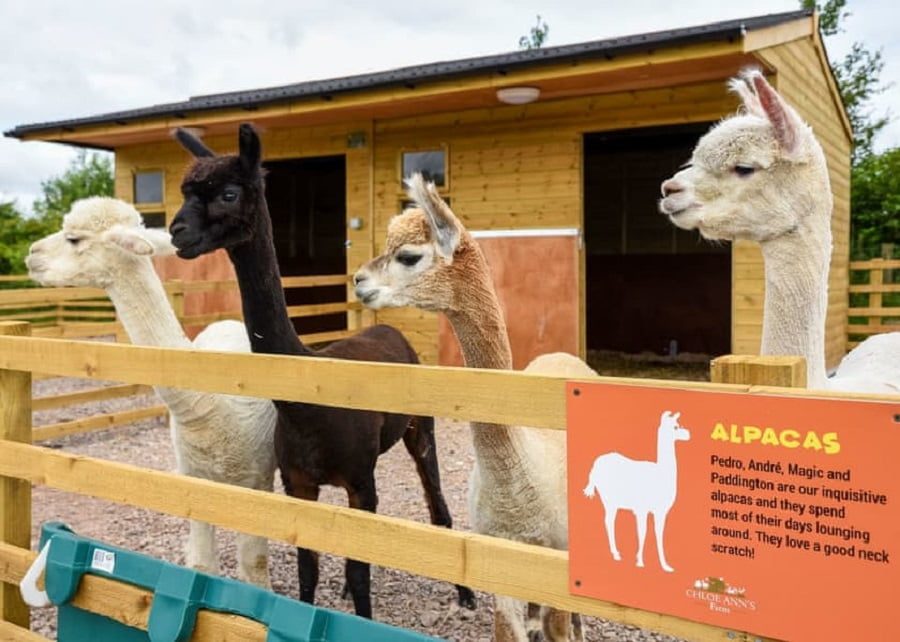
(225, 207)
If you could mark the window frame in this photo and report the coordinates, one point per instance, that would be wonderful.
(444, 148)
(149, 208)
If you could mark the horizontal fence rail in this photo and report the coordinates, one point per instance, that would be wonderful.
(875, 304)
(492, 396)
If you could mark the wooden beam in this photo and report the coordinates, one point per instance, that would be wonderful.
(779, 34)
(15, 633)
(97, 422)
(15, 492)
(123, 603)
(491, 395)
(89, 396)
(787, 372)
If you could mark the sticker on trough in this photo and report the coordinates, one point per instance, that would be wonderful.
(774, 515)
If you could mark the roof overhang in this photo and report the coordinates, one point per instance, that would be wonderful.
(658, 63)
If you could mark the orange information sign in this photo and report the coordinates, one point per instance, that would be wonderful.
(774, 515)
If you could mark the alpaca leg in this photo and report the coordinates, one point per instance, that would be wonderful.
(200, 553)
(308, 574)
(253, 560)
(508, 620)
(659, 527)
(642, 535)
(610, 521)
(533, 622)
(577, 629)
(307, 560)
(420, 443)
(356, 573)
(555, 624)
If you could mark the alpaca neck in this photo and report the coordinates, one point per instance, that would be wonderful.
(665, 456)
(796, 301)
(149, 320)
(262, 297)
(480, 328)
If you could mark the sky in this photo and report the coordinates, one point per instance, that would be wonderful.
(62, 59)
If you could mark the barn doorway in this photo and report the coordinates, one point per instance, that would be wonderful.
(650, 287)
(307, 201)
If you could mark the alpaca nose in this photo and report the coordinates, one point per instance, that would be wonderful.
(670, 187)
(359, 277)
(176, 227)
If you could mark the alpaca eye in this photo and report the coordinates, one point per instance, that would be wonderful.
(229, 196)
(744, 170)
(73, 240)
(408, 260)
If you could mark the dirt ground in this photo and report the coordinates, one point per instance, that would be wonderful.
(421, 604)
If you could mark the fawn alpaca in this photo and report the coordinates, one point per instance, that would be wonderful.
(643, 487)
(517, 488)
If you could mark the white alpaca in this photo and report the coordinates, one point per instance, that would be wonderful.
(219, 437)
(643, 487)
(761, 175)
(518, 484)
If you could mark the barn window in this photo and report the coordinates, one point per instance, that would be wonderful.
(432, 164)
(148, 188)
(149, 197)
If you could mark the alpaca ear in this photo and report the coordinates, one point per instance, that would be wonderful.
(444, 224)
(743, 87)
(140, 241)
(250, 149)
(782, 117)
(193, 144)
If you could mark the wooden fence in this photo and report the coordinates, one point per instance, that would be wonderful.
(874, 299)
(72, 313)
(485, 563)
(87, 312)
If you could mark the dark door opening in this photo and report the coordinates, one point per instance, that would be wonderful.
(307, 201)
(650, 287)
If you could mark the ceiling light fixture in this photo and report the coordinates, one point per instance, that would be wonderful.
(518, 95)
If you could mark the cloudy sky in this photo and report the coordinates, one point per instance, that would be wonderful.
(62, 59)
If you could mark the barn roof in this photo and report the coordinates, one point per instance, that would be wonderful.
(409, 77)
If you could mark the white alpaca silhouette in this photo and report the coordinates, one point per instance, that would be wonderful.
(640, 486)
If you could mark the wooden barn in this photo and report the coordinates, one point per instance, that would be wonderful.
(553, 157)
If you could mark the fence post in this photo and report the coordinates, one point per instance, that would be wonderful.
(754, 370)
(15, 494)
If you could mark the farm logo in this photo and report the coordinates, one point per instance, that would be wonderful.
(720, 596)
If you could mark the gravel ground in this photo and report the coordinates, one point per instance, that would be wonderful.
(398, 598)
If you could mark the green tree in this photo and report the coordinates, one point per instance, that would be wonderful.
(858, 77)
(536, 37)
(875, 203)
(17, 233)
(89, 174)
